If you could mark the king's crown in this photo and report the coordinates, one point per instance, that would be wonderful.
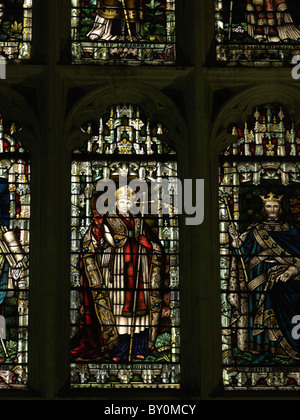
(271, 197)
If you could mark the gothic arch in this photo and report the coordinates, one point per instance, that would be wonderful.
(236, 111)
(14, 107)
(156, 105)
(125, 136)
(238, 108)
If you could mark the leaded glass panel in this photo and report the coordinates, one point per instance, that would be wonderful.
(260, 33)
(16, 29)
(123, 31)
(14, 258)
(260, 253)
(124, 267)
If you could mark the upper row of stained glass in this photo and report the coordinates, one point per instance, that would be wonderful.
(102, 31)
(15, 29)
(123, 31)
(250, 33)
(257, 33)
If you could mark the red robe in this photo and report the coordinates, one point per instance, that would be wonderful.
(90, 342)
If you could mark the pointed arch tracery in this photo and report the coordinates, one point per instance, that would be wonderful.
(134, 286)
(259, 169)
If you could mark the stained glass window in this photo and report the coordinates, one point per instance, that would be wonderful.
(123, 31)
(15, 29)
(260, 33)
(125, 265)
(260, 252)
(14, 258)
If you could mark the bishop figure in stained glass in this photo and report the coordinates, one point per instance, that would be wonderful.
(122, 276)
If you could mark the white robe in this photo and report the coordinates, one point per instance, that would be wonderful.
(102, 31)
(117, 288)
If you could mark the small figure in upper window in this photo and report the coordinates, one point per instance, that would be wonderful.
(270, 20)
(117, 20)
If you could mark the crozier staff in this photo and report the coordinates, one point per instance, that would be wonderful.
(122, 276)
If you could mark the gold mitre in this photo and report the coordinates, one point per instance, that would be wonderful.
(271, 197)
(125, 192)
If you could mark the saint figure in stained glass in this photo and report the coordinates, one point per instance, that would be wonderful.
(123, 263)
(263, 315)
(260, 251)
(123, 31)
(14, 258)
(257, 32)
(270, 20)
(117, 20)
(125, 313)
